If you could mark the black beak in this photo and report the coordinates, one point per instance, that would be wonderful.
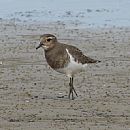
(39, 45)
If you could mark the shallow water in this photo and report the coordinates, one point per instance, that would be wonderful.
(85, 13)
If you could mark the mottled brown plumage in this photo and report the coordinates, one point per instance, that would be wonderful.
(58, 57)
(64, 58)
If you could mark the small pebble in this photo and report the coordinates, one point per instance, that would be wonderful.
(27, 101)
(60, 96)
(60, 93)
(35, 96)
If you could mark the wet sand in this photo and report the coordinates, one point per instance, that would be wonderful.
(35, 97)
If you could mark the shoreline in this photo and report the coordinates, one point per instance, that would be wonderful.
(68, 25)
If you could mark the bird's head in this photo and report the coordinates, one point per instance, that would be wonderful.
(47, 41)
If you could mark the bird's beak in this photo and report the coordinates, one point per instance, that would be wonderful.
(40, 45)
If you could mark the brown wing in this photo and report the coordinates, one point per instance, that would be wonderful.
(79, 56)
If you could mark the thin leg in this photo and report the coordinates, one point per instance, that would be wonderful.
(72, 89)
(70, 84)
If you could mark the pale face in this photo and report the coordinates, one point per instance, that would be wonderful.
(47, 41)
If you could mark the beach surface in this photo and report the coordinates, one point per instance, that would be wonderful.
(35, 97)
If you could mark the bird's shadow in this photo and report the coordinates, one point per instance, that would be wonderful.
(57, 97)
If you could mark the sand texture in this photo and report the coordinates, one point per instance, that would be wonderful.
(35, 97)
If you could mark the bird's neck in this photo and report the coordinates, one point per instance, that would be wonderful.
(52, 48)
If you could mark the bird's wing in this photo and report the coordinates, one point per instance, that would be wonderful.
(79, 56)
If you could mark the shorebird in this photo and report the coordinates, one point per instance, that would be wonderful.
(63, 58)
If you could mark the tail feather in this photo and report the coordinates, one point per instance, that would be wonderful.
(89, 60)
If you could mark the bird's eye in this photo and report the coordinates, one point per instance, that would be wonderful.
(48, 40)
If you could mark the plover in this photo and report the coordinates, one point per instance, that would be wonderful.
(63, 58)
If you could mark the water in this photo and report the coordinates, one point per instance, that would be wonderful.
(92, 13)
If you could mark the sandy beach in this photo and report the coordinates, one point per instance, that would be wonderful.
(35, 97)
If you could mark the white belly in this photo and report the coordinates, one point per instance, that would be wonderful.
(73, 67)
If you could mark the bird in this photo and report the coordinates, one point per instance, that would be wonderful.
(64, 58)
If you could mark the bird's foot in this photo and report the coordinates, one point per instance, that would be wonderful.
(72, 91)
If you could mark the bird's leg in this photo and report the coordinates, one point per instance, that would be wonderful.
(73, 87)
